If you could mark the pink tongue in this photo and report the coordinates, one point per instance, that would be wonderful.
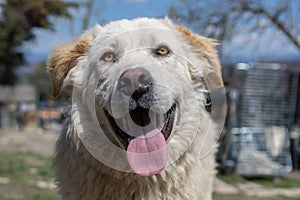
(147, 154)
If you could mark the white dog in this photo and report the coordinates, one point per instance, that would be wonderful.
(141, 124)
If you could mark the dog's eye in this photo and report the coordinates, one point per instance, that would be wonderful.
(162, 51)
(108, 57)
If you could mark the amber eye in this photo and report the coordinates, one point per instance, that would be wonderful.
(162, 51)
(108, 57)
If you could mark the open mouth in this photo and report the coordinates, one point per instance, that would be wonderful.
(139, 122)
(144, 134)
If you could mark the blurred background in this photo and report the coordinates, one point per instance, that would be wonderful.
(259, 49)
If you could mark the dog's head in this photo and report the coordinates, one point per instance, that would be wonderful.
(145, 84)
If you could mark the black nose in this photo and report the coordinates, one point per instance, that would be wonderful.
(135, 82)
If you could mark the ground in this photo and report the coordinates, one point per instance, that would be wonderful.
(25, 172)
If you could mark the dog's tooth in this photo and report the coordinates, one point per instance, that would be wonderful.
(127, 120)
(159, 121)
(124, 124)
(162, 121)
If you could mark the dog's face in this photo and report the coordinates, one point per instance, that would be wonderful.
(144, 85)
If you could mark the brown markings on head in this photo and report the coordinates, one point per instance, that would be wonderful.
(63, 59)
(206, 49)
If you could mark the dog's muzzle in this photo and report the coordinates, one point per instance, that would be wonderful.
(143, 133)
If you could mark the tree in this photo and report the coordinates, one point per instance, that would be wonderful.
(94, 10)
(18, 19)
(40, 79)
(223, 19)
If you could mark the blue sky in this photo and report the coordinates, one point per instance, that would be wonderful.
(103, 12)
(273, 43)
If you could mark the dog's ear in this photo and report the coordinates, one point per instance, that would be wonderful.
(65, 57)
(204, 48)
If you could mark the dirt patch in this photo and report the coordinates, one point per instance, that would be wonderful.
(33, 139)
(258, 191)
(17, 192)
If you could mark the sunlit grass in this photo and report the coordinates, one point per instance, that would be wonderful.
(232, 179)
(239, 197)
(280, 182)
(44, 195)
(24, 170)
(283, 182)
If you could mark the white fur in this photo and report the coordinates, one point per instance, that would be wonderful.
(187, 175)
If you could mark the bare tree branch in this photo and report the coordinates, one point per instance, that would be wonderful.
(222, 19)
(275, 20)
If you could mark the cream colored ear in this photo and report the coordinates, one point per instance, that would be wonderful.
(65, 57)
(96, 30)
(205, 48)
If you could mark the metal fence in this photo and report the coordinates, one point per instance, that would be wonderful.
(265, 101)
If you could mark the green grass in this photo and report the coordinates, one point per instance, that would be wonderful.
(282, 182)
(20, 166)
(239, 197)
(232, 179)
(24, 170)
(40, 196)
(45, 196)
